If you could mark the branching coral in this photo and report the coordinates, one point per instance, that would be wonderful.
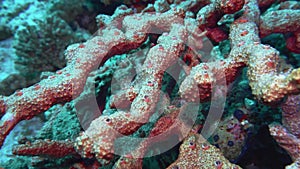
(174, 33)
(40, 37)
(288, 135)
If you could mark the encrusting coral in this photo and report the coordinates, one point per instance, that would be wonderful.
(176, 31)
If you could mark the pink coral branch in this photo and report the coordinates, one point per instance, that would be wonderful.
(291, 114)
(68, 83)
(280, 21)
(209, 16)
(196, 152)
(267, 83)
(286, 140)
(288, 136)
(166, 126)
(105, 129)
(212, 13)
(2, 106)
(46, 148)
(124, 32)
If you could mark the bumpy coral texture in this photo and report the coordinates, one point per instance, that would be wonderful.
(172, 30)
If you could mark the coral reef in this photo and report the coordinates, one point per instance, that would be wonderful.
(194, 79)
(41, 32)
(287, 134)
(195, 152)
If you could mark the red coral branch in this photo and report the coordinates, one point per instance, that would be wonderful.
(2, 106)
(280, 21)
(67, 84)
(105, 129)
(209, 16)
(124, 32)
(286, 140)
(196, 152)
(48, 148)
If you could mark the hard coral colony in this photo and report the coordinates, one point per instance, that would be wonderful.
(160, 84)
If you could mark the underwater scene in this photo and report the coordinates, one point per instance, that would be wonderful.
(149, 84)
